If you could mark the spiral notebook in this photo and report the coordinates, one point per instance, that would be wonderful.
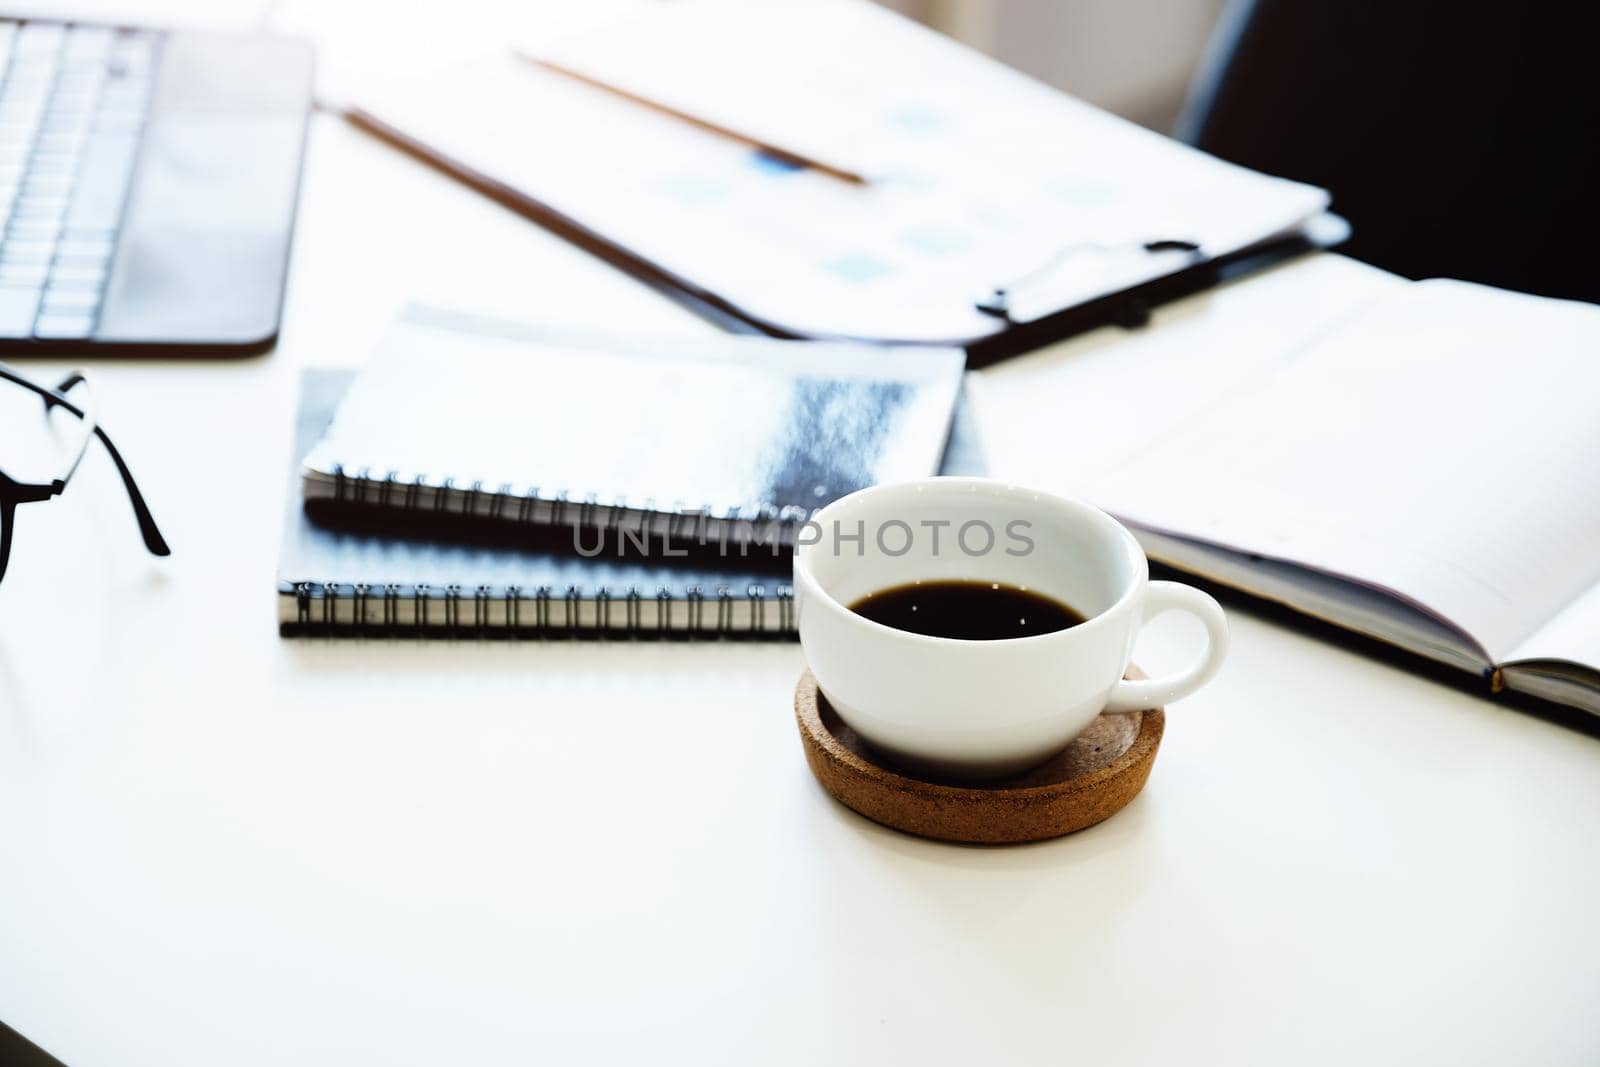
(722, 441)
(350, 581)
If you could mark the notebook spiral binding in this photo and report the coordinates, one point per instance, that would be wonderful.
(761, 612)
(514, 612)
(747, 526)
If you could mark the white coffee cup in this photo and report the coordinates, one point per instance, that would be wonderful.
(982, 709)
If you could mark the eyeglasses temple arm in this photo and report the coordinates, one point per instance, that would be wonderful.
(141, 511)
(87, 414)
(153, 540)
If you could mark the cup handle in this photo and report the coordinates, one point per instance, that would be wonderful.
(1160, 598)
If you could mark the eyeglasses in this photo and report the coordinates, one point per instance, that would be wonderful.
(14, 492)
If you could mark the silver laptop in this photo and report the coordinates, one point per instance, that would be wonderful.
(148, 182)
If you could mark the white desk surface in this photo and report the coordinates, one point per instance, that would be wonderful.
(223, 847)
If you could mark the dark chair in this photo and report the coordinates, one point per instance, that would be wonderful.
(1460, 139)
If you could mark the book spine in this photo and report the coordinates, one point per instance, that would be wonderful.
(754, 525)
(330, 609)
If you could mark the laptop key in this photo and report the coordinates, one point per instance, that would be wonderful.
(19, 305)
(63, 327)
(27, 251)
(56, 186)
(89, 42)
(30, 274)
(24, 230)
(70, 299)
(52, 166)
(39, 208)
(39, 37)
(79, 233)
(71, 277)
(83, 251)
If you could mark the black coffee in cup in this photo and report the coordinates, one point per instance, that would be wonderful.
(966, 610)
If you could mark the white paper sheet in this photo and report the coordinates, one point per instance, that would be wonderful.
(977, 174)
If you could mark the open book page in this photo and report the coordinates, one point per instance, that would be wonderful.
(1443, 446)
(1068, 414)
(977, 175)
(1573, 636)
(1064, 416)
(1561, 661)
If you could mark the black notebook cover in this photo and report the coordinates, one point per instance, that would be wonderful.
(460, 419)
(353, 582)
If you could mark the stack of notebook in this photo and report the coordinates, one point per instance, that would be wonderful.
(490, 478)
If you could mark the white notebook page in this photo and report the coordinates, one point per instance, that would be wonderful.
(715, 423)
(1445, 446)
(1066, 414)
(1573, 635)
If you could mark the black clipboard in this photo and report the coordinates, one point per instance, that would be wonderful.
(1130, 307)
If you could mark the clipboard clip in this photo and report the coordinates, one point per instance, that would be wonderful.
(1000, 302)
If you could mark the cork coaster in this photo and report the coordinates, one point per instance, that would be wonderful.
(1090, 780)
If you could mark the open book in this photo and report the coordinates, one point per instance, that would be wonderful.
(1425, 471)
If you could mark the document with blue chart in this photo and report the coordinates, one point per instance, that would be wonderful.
(977, 178)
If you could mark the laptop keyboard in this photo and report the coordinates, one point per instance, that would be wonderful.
(73, 101)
